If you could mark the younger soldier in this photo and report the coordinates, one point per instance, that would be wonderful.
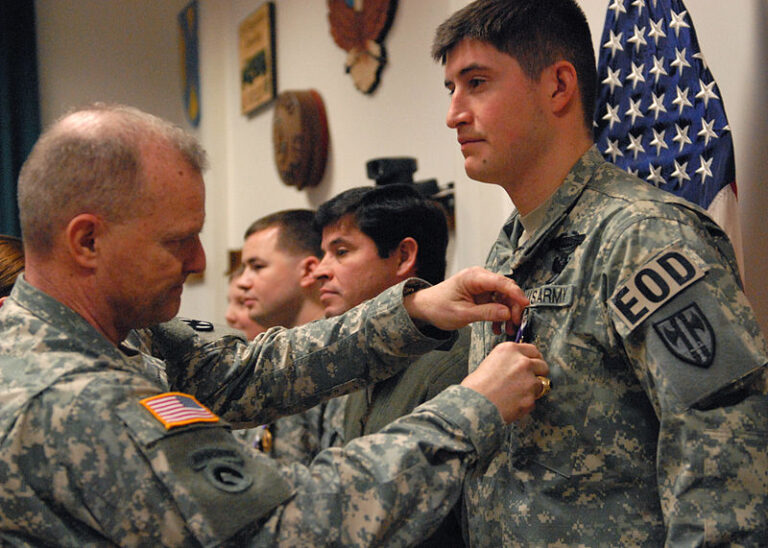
(655, 431)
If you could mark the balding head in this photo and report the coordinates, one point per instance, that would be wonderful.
(90, 160)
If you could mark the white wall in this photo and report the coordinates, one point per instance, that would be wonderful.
(125, 50)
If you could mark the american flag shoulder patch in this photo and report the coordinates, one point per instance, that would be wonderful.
(177, 409)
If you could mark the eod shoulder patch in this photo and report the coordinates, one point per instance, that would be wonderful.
(655, 283)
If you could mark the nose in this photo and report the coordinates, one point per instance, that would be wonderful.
(322, 271)
(196, 260)
(457, 111)
(244, 281)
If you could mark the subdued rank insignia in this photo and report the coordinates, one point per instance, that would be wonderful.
(689, 336)
(177, 409)
(564, 246)
(198, 325)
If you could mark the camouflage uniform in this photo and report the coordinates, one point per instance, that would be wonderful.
(655, 429)
(295, 438)
(84, 462)
(369, 410)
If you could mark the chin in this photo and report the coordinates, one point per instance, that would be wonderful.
(481, 175)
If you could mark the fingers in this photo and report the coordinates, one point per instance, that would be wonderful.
(472, 295)
(510, 376)
(501, 300)
(502, 289)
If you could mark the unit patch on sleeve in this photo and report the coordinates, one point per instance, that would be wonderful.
(655, 283)
(177, 409)
(688, 335)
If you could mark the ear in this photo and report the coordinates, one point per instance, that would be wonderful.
(81, 233)
(407, 250)
(563, 86)
(308, 265)
(2, 300)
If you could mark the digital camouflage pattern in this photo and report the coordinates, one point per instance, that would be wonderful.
(655, 429)
(370, 409)
(83, 463)
(295, 438)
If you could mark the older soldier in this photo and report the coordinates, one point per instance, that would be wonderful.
(655, 429)
(94, 449)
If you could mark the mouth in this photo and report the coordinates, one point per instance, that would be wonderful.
(466, 142)
(327, 294)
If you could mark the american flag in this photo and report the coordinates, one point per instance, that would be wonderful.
(659, 113)
(177, 409)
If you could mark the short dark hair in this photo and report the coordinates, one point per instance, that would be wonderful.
(536, 33)
(387, 214)
(297, 234)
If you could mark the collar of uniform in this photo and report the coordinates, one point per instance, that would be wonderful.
(88, 340)
(551, 213)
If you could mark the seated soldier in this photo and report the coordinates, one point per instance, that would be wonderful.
(374, 238)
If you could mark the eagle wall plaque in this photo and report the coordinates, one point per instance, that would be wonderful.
(359, 27)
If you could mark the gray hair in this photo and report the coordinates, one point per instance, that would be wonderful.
(90, 160)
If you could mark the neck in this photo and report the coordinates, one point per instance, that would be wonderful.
(534, 188)
(73, 292)
(311, 310)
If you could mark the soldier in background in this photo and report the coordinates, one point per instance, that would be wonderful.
(96, 449)
(654, 433)
(280, 254)
(11, 263)
(374, 238)
(236, 315)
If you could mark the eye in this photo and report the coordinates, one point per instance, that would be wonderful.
(341, 251)
(475, 82)
(177, 244)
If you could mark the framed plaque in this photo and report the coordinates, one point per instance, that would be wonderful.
(258, 84)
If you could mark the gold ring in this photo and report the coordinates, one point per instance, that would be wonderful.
(546, 386)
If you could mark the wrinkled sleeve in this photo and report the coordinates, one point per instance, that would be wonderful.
(692, 338)
(285, 371)
(392, 488)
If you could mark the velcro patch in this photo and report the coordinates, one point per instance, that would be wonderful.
(558, 296)
(655, 283)
(177, 409)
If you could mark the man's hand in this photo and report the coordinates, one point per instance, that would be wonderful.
(472, 295)
(508, 377)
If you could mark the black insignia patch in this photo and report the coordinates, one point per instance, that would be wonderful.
(198, 325)
(564, 246)
(689, 336)
(223, 468)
